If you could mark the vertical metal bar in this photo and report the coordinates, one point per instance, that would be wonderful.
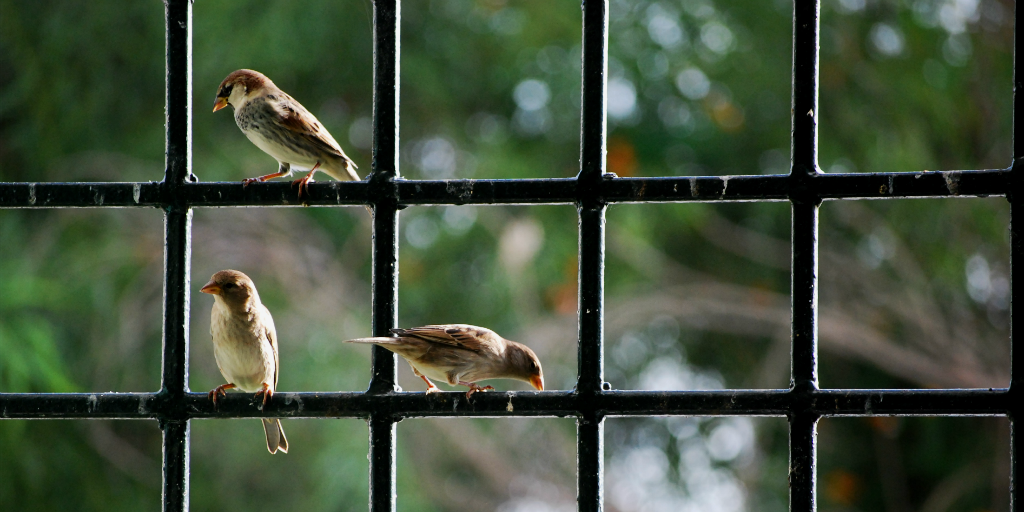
(178, 96)
(386, 34)
(591, 209)
(590, 358)
(803, 437)
(590, 206)
(1018, 85)
(803, 422)
(176, 464)
(384, 194)
(590, 423)
(590, 463)
(804, 143)
(177, 253)
(1014, 195)
(804, 147)
(593, 119)
(174, 385)
(804, 295)
(1014, 460)
(382, 463)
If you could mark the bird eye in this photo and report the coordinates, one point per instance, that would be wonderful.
(229, 286)
(224, 91)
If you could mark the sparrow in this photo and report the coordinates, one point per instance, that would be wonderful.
(283, 129)
(245, 344)
(462, 354)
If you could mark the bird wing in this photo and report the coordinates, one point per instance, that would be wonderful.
(469, 337)
(271, 333)
(294, 117)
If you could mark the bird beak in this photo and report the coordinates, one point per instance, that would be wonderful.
(537, 382)
(212, 288)
(221, 103)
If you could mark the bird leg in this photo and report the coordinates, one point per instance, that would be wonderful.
(473, 388)
(267, 394)
(219, 390)
(304, 181)
(283, 170)
(431, 388)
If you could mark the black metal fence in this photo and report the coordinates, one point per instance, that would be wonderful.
(592, 400)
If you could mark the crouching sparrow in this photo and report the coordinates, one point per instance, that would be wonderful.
(462, 354)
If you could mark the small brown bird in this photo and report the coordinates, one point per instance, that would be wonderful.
(245, 344)
(282, 128)
(462, 354)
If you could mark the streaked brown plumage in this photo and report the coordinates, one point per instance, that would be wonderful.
(282, 128)
(461, 354)
(245, 344)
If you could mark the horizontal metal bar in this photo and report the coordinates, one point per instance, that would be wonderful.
(992, 182)
(930, 402)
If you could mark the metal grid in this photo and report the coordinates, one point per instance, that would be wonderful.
(592, 400)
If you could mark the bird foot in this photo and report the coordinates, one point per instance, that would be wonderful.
(431, 388)
(304, 181)
(473, 388)
(267, 394)
(261, 179)
(303, 184)
(219, 390)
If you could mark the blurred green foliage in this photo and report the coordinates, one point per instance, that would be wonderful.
(914, 293)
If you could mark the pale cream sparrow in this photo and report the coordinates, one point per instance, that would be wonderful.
(245, 344)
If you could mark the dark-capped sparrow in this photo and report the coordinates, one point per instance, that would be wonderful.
(245, 344)
(282, 128)
(462, 354)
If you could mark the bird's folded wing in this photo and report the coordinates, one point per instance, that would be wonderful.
(457, 335)
(271, 333)
(296, 118)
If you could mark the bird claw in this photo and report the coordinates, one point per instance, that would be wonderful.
(267, 394)
(303, 184)
(261, 179)
(304, 181)
(219, 390)
(473, 388)
(431, 388)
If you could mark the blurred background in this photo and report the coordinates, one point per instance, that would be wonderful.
(913, 293)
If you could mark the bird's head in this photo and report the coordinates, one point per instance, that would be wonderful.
(239, 87)
(524, 365)
(232, 288)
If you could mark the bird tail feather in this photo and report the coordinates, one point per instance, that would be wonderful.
(341, 169)
(276, 441)
(376, 341)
